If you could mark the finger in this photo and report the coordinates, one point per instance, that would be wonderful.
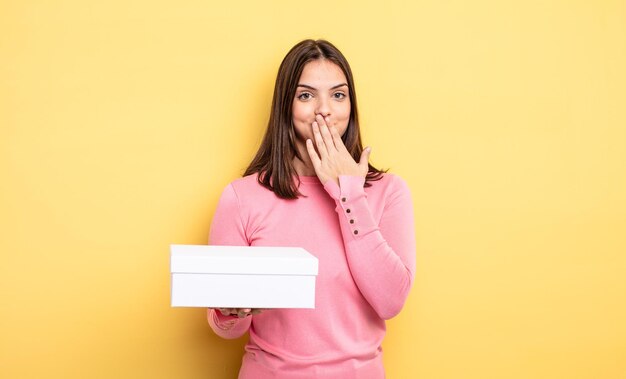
(224, 311)
(337, 139)
(326, 135)
(228, 311)
(365, 157)
(319, 141)
(241, 313)
(320, 119)
(315, 159)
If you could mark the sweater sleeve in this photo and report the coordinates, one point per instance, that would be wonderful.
(381, 256)
(227, 229)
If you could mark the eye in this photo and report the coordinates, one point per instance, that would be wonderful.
(339, 95)
(304, 96)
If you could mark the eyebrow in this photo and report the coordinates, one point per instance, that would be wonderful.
(315, 89)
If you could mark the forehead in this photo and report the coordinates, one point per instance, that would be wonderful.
(322, 73)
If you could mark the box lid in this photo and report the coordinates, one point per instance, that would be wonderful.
(212, 259)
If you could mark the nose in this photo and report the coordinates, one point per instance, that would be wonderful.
(323, 106)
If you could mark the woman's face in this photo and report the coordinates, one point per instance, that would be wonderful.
(322, 89)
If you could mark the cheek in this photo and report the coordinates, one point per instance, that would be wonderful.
(344, 119)
(301, 112)
(343, 115)
(300, 118)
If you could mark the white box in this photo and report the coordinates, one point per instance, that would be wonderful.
(242, 276)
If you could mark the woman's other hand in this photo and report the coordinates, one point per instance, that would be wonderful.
(333, 159)
(239, 312)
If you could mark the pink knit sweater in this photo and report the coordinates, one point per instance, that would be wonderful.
(365, 242)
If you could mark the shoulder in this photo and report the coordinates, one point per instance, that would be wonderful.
(390, 189)
(246, 183)
(390, 183)
(243, 194)
(249, 188)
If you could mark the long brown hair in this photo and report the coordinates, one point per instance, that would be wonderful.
(274, 159)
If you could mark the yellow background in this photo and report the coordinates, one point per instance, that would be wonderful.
(122, 121)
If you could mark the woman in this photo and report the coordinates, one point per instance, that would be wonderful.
(310, 185)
